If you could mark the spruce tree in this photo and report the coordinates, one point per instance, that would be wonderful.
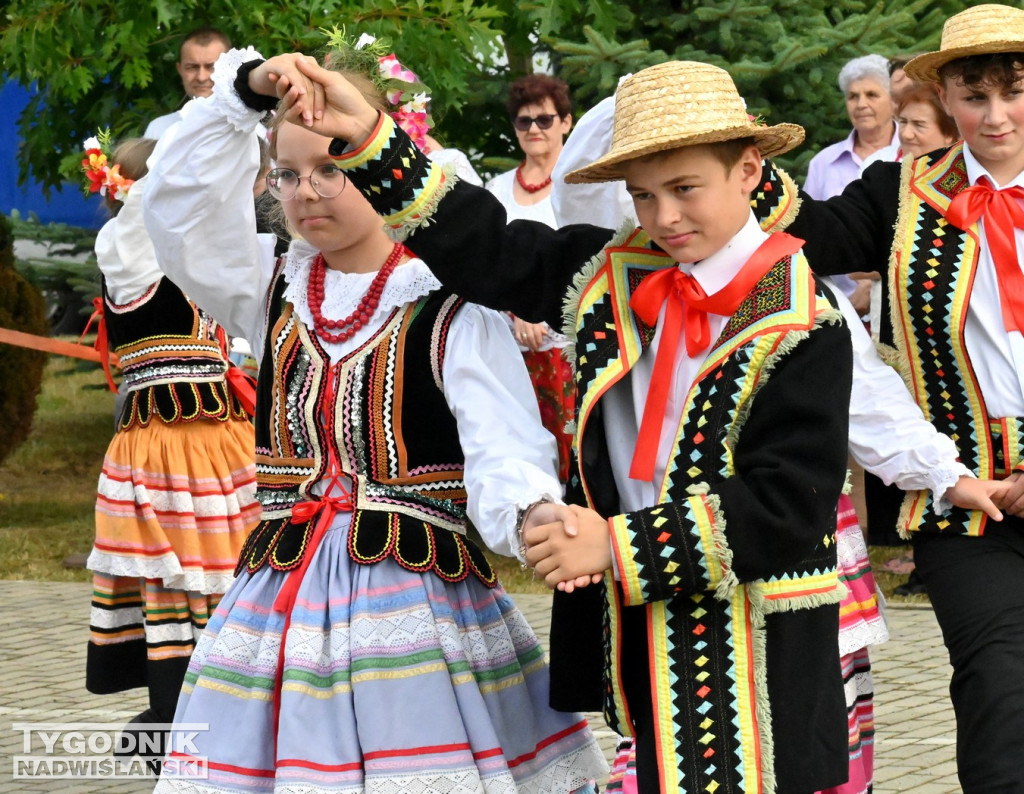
(784, 56)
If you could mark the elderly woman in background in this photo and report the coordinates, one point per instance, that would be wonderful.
(541, 114)
(864, 82)
(924, 124)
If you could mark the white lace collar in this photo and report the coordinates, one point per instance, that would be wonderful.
(343, 291)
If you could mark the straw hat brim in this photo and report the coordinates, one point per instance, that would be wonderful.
(925, 68)
(771, 141)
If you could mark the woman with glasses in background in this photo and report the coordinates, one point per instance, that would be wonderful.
(541, 114)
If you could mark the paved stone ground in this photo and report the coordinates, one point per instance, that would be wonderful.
(44, 630)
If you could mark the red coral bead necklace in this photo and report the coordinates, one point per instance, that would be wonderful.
(340, 330)
(526, 185)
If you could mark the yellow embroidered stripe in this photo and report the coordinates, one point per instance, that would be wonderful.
(704, 523)
(805, 585)
(744, 636)
(624, 721)
(661, 689)
(371, 147)
(622, 548)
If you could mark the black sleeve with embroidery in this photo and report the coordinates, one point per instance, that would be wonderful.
(851, 232)
(524, 267)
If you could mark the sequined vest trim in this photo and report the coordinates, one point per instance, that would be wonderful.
(390, 429)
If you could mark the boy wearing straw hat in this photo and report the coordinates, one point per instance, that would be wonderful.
(946, 229)
(713, 383)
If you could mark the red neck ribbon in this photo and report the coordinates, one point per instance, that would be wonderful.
(686, 313)
(1003, 213)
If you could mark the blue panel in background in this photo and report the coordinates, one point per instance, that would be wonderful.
(68, 205)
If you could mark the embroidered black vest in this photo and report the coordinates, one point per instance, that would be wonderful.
(932, 272)
(390, 429)
(172, 359)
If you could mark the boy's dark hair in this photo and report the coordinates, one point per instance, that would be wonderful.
(1000, 69)
(203, 36)
(728, 153)
(533, 89)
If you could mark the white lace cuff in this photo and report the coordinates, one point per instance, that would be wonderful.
(238, 114)
(942, 479)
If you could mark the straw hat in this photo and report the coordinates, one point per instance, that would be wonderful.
(976, 31)
(677, 104)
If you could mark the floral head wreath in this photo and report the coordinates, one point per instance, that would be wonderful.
(102, 178)
(405, 93)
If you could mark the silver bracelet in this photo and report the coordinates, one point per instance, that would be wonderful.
(521, 516)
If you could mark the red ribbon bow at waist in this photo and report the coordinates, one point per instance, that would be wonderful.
(102, 343)
(244, 389)
(687, 309)
(328, 507)
(1003, 214)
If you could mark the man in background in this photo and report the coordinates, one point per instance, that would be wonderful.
(199, 51)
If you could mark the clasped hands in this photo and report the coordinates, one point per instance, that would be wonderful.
(314, 97)
(570, 546)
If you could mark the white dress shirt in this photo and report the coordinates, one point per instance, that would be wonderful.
(623, 405)
(997, 355)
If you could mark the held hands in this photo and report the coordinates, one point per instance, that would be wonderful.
(988, 495)
(314, 97)
(568, 545)
(1012, 498)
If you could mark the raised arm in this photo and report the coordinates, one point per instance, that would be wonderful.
(851, 232)
(199, 206)
(459, 230)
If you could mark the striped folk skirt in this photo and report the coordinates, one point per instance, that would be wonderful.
(390, 680)
(174, 505)
(861, 624)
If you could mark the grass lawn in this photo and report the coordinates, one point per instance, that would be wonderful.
(48, 488)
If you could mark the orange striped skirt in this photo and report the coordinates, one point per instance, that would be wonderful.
(175, 504)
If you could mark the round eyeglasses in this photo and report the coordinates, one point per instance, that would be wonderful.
(327, 180)
(544, 121)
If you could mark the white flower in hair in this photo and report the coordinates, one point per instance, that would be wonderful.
(365, 41)
(91, 143)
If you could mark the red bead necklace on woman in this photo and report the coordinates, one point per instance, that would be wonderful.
(525, 185)
(347, 326)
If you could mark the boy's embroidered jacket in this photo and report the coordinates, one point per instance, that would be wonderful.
(399, 447)
(731, 578)
(930, 266)
(176, 373)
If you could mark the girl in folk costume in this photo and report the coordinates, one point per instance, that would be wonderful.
(366, 644)
(177, 493)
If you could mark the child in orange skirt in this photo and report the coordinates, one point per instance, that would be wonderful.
(177, 492)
